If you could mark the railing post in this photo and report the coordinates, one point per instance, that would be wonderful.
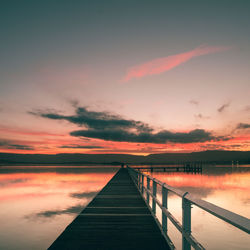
(186, 221)
(139, 180)
(148, 188)
(142, 184)
(154, 195)
(164, 204)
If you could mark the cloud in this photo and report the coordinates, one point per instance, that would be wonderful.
(9, 145)
(223, 107)
(247, 108)
(95, 120)
(243, 126)
(222, 147)
(110, 127)
(160, 65)
(10, 130)
(164, 136)
(80, 146)
(194, 102)
(201, 116)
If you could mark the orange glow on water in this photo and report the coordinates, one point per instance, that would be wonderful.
(28, 185)
(227, 181)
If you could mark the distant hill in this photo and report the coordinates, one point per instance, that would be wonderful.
(217, 157)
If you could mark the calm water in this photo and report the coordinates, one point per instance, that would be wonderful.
(37, 203)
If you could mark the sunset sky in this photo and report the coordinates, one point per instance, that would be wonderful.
(135, 77)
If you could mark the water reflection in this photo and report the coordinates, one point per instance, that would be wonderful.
(38, 202)
(70, 210)
(84, 195)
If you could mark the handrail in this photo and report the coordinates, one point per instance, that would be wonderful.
(232, 218)
(188, 240)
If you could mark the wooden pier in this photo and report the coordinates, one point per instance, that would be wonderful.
(186, 167)
(117, 218)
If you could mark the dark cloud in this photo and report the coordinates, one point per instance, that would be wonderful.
(194, 102)
(223, 107)
(247, 108)
(221, 147)
(96, 120)
(70, 210)
(80, 146)
(83, 195)
(74, 102)
(9, 145)
(200, 116)
(197, 135)
(243, 126)
(110, 127)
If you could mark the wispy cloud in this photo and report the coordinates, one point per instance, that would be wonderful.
(18, 131)
(201, 116)
(160, 65)
(10, 145)
(81, 146)
(221, 147)
(247, 108)
(223, 107)
(193, 102)
(243, 126)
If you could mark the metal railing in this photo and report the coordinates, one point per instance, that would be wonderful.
(143, 182)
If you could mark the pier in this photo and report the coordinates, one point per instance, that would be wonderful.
(123, 216)
(117, 218)
(185, 167)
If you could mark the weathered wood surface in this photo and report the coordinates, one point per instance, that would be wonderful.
(117, 218)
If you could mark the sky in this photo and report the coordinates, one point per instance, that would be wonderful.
(136, 77)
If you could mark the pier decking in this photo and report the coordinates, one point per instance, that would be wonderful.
(117, 218)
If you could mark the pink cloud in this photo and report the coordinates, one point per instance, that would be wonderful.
(26, 132)
(163, 64)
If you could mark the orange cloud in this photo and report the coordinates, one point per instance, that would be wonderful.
(26, 132)
(163, 64)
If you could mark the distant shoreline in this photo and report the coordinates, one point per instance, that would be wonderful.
(203, 157)
(114, 165)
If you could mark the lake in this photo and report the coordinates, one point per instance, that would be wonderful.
(38, 202)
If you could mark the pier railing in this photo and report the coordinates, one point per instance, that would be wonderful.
(148, 185)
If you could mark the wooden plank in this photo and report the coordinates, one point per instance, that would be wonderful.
(117, 218)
